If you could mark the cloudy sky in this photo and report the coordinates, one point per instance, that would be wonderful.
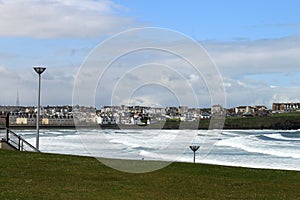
(255, 46)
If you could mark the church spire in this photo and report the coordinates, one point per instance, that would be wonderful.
(18, 100)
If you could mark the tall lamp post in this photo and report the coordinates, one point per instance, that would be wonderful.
(39, 71)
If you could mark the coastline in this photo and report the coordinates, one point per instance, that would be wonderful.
(285, 121)
(275, 125)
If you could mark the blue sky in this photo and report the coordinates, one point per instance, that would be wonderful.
(221, 20)
(255, 44)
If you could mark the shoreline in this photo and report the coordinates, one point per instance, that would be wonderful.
(136, 127)
(289, 121)
(130, 128)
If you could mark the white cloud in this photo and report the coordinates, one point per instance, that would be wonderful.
(251, 92)
(6, 74)
(241, 83)
(256, 57)
(242, 65)
(239, 63)
(194, 78)
(227, 84)
(56, 18)
(57, 85)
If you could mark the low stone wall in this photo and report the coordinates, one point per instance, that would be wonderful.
(4, 145)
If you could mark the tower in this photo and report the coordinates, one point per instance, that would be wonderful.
(18, 100)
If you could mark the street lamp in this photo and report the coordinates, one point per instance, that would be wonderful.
(39, 71)
(194, 149)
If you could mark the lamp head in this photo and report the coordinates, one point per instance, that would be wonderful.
(194, 148)
(39, 70)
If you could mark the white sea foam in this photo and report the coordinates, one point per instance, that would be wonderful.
(257, 149)
(280, 137)
(252, 144)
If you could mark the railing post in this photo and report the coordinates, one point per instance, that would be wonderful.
(22, 145)
(19, 143)
(7, 126)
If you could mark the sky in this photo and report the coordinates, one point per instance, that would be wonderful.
(254, 45)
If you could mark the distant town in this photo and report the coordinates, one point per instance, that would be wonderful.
(131, 115)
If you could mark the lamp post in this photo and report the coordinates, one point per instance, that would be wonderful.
(39, 71)
(194, 149)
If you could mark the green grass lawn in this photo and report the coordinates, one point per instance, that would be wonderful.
(47, 176)
(275, 121)
(284, 121)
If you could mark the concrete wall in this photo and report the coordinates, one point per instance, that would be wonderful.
(4, 145)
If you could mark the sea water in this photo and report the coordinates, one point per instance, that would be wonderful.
(271, 149)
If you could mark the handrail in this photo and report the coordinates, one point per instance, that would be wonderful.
(18, 142)
(2, 133)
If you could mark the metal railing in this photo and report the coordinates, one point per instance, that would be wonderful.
(16, 141)
(2, 133)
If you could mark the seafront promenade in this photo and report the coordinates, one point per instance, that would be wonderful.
(282, 116)
(286, 121)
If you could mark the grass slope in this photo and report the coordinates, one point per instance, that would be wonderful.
(47, 176)
(285, 121)
(276, 121)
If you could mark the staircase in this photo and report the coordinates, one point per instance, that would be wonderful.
(11, 140)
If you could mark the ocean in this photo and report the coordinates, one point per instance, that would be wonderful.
(269, 149)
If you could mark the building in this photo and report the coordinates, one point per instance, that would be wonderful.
(106, 120)
(172, 112)
(244, 110)
(285, 107)
(218, 110)
(182, 109)
(205, 115)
